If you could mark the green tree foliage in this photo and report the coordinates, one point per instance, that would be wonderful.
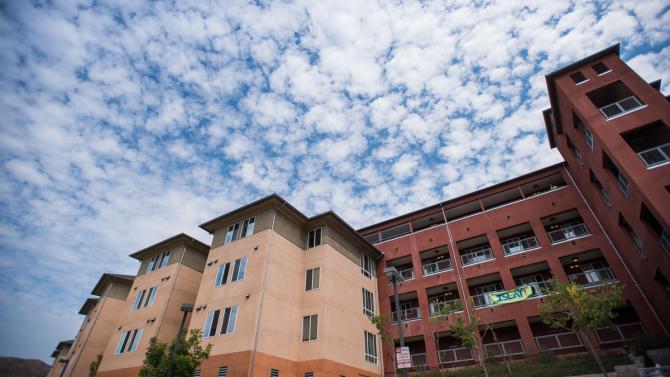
(466, 332)
(380, 322)
(189, 355)
(568, 306)
(93, 369)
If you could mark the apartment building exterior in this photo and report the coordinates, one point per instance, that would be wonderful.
(60, 356)
(169, 275)
(552, 223)
(284, 294)
(100, 322)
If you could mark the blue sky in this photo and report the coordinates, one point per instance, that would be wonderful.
(125, 122)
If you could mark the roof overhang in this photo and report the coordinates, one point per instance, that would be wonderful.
(108, 278)
(88, 305)
(179, 239)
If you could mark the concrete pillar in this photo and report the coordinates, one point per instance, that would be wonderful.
(557, 269)
(431, 351)
(527, 336)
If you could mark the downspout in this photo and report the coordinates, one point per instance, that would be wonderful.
(616, 251)
(252, 362)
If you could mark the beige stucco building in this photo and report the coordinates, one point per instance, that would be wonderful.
(100, 323)
(60, 356)
(283, 294)
(168, 276)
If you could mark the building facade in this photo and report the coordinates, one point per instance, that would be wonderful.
(287, 295)
(278, 293)
(60, 356)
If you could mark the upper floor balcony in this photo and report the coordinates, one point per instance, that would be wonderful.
(615, 100)
(444, 300)
(536, 276)
(588, 269)
(651, 143)
(481, 287)
(435, 261)
(404, 267)
(565, 226)
(475, 250)
(518, 239)
(409, 308)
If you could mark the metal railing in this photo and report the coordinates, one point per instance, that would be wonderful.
(407, 274)
(520, 245)
(482, 300)
(436, 266)
(506, 348)
(407, 314)
(437, 307)
(558, 341)
(568, 233)
(619, 333)
(476, 255)
(419, 360)
(656, 155)
(592, 277)
(454, 355)
(539, 288)
(620, 107)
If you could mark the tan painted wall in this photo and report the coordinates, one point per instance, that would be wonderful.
(177, 284)
(194, 259)
(99, 326)
(58, 366)
(263, 222)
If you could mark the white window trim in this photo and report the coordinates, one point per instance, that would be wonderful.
(320, 229)
(312, 269)
(302, 335)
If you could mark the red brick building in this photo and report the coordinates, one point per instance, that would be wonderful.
(601, 216)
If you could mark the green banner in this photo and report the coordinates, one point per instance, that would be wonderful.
(515, 295)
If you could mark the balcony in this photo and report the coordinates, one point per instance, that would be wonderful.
(454, 355)
(436, 266)
(592, 278)
(444, 299)
(501, 339)
(614, 100)
(404, 267)
(619, 333)
(446, 307)
(476, 255)
(506, 348)
(519, 245)
(568, 232)
(651, 143)
(408, 314)
(406, 274)
(559, 341)
(417, 351)
(533, 275)
(481, 286)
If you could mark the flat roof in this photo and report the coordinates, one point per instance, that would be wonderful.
(109, 277)
(180, 238)
(282, 204)
(462, 197)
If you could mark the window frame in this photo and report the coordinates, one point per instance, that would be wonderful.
(229, 320)
(239, 269)
(138, 299)
(370, 341)
(371, 266)
(311, 318)
(312, 240)
(310, 279)
(370, 312)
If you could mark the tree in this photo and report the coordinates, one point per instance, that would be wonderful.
(380, 322)
(187, 359)
(466, 333)
(568, 306)
(93, 369)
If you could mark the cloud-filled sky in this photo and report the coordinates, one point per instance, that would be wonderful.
(125, 122)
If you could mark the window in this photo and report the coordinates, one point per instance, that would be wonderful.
(158, 261)
(614, 100)
(314, 238)
(229, 319)
(196, 373)
(309, 327)
(579, 125)
(588, 137)
(651, 143)
(370, 347)
(151, 296)
(312, 279)
(622, 181)
(274, 373)
(138, 299)
(309, 374)
(637, 242)
(600, 68)
(603, 191)
(222, 275)
(211, 322)
(368, 303)
(578, 77)
(367, 265)
(223, 372)
(239, 269)
(234, 232)
(128, 341)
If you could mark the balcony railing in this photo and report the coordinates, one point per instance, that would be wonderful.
(407, 274)
(558, 341)
(454, 355)
(419, 360)
(507, 348)
(520, 245)
(445, 307)
(593, 277)
(539, 288)
(656, 155)
(436, 267)
(407, 314)
(620, 107)
(476, 255)
(568, 233)
(619, 333)
(482, 300)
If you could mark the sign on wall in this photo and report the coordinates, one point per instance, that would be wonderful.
(403, 358)
(515, 295)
